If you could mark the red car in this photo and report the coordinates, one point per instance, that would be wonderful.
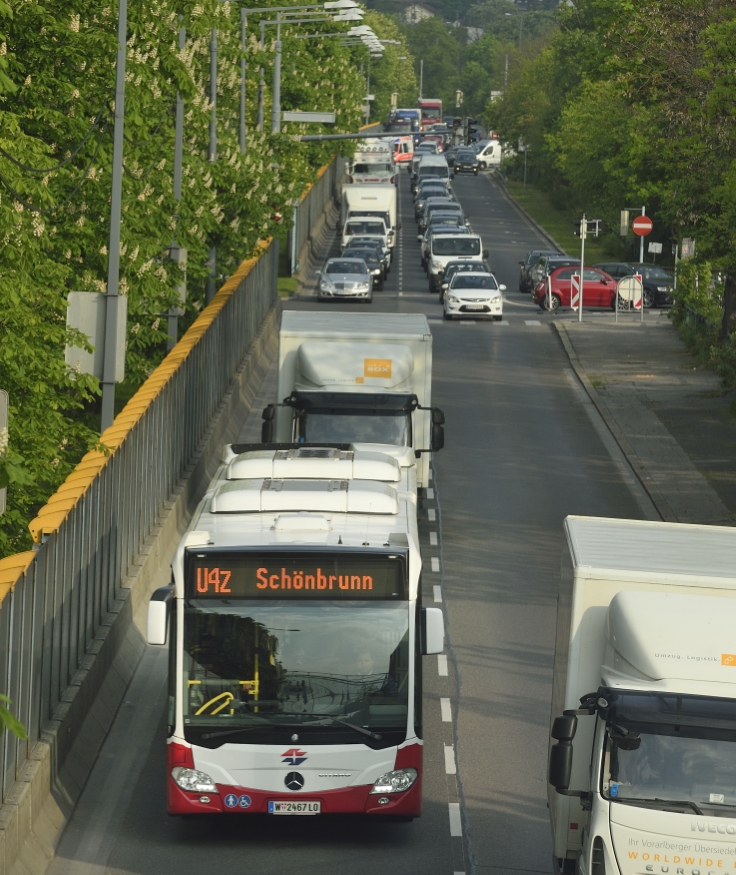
(599, 289)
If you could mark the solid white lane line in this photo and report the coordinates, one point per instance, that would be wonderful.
(449, 760)
(442, 665)
(435, 564)
(432, 514)
(437, 590)
(433, 538)
(446, 710)
(456, 827)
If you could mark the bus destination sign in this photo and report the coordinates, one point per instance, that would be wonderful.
(246, 575)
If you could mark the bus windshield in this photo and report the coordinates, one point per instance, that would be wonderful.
(296, 662)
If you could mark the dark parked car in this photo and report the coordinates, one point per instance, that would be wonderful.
(466, 161)
(545, 264)
(656, 281)
(525, 267)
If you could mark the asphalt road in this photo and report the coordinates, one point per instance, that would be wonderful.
(523, 450)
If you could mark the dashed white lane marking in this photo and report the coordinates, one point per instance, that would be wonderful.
(432, 514)
(430, 493)
(437, 593)
(456, 826)
(442, 665)
(435, 564)
(446, 710)
(503, 322)
(450, 760)
(532, 322)
(429, 475)
(433, 538)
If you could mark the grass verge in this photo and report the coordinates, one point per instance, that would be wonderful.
(557, 221)
(287, 286)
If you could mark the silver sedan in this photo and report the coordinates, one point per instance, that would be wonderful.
(345, 278)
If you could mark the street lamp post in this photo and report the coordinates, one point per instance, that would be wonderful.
(116, 199)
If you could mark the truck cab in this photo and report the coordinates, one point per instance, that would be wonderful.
(642, 757)
(363, 380)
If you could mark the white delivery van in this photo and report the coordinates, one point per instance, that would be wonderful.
(451, 247)
(372, 202)
(642, 761)
(360, 379)
(490, 155)
(431, 165)
(373, 163)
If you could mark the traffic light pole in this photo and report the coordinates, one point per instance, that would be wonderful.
(583, 235)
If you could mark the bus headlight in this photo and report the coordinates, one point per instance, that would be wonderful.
(192, 780)
(395, 782)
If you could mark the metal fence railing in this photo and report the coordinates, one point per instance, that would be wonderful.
(54, 600)
(312, 205)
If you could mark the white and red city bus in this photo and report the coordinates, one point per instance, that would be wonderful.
(295, 632)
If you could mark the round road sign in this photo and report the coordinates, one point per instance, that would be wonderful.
(642, 225)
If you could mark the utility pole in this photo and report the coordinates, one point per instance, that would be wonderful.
(421, 78)
(260, 79)
(177, 253)
(506, 76)
(116, 200)
(212, 259)
(276, 103)
(243, 32)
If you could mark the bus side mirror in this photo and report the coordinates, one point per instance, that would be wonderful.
(560, 755)
(268, 424)
(432, 631)
(159, 609)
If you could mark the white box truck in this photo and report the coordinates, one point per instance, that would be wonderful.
(371, 201)
(359, 379)
(642, 757)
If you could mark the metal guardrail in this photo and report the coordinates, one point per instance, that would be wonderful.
(55, 599)
(695, 319)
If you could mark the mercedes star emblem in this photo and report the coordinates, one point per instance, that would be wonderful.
(294, 781)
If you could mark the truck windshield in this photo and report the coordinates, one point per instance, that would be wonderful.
(372, 168)
(671, 748)
(365, 227)
(255, 664)
(368, 427)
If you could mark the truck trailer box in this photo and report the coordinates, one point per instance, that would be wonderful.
(647, 608)
(370, 200)
(388, 355)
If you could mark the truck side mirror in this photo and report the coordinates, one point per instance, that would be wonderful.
(485, 253)
(432, 631)
(159, 610)
(438, 437)
(267, 428)
(560, 756)
(438, 417)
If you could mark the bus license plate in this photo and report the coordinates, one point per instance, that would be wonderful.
(292, 807)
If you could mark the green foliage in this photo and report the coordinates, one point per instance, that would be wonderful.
(9, 722)
(389, 74)
(57, 85)
(440, 47)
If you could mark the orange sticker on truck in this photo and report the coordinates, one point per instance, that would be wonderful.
(377, 368)
(728, 659)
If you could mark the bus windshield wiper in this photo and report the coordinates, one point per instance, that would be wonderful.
(234, 731)
(361, 729)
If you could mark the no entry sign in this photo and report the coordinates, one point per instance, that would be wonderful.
(642, 225)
